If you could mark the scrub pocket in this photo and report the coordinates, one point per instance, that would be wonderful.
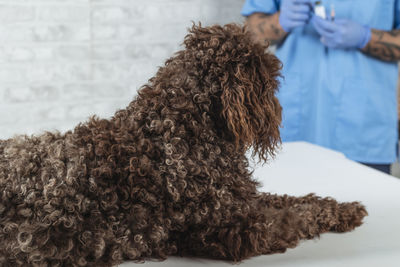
(362, 120)
(289, 97)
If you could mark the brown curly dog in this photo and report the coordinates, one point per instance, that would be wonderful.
(165, 176)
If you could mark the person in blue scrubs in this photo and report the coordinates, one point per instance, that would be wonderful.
(340, 74)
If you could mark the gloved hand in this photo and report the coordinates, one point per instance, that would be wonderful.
(294, 13)
(342, 33)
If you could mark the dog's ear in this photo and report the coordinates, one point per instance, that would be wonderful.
(249, 106)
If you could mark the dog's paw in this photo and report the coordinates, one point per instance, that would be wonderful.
(350, 216)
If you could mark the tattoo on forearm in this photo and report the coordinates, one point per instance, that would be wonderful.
(261, 26)
(276, 30)
(385, 47)
(379, 34)
(265, 26)
(384, 51)
(394, 33)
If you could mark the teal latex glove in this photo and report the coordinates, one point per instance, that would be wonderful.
(342, 33)
(294, 13)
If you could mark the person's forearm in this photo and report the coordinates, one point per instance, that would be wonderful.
(266, 28)
(384, 45)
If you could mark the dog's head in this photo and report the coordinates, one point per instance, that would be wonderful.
(240, 78)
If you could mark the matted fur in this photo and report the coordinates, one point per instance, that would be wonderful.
(165, 176)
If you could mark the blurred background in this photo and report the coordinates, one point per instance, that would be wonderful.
(64, 60)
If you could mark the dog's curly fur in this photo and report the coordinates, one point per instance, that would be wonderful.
(165, 176)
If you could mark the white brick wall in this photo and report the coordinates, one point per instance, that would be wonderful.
(64, 60)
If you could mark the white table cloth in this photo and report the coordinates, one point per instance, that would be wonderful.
(301, 168)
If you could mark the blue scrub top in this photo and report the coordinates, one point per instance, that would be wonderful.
(339, 98)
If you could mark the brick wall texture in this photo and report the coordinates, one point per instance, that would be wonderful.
(62, 61)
